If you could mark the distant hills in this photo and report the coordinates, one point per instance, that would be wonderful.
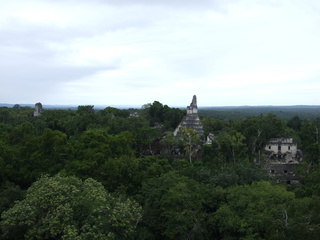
(225, 113)
(70, 106)
(305, 112)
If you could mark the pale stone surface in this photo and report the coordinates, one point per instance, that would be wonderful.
(37, 109)
(283, 156)
(193, 108)
(191, 120)
(284, 149)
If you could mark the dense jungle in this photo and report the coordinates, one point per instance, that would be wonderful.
(122, 174)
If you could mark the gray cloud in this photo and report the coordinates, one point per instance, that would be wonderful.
(142, 50)
(166, 3)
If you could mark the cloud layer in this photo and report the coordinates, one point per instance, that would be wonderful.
(135, 52)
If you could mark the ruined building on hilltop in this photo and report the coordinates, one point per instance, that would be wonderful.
(37, 109)
(283, 156)
(283, 149)
(191, 120)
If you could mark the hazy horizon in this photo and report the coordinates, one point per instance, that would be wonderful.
(138, 106)
(228, 53)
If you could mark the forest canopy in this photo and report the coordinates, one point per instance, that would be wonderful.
(121, 174)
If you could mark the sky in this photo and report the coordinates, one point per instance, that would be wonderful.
(134, 52)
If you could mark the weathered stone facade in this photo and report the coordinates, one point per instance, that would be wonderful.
(283, 156)
(284, 172)
(283, 150)
(191, 120)
(37, 109)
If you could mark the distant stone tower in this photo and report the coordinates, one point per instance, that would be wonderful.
(37, 109)
(191, 120)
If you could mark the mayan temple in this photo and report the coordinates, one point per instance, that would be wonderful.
(191, 120)
(37, 109)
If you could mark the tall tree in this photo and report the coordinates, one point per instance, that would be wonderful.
(190, 140)
(232, 147)
(174, 207)
(257, 211)
(68, 208)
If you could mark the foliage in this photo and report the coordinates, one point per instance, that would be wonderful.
(231, 147)
(236, 113)
(303, 219)
(68, 208)
(218, 190)
(258, 130)
(212, 125)
(190, 139)
(157, 113)
(237, 174)
(9, 193)
(173, 207)
(257, 211)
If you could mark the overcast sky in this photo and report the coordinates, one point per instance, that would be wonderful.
(133, 52)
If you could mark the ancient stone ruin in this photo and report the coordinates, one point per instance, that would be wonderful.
(283, 150)
(283, 157)
(37, 109)
(191, 120)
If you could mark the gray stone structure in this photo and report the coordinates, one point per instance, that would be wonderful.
(191, 120)
(37, 109)
(282, 158)
(284, 172)
(283, 150)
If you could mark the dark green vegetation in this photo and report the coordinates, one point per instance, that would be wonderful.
(111, 174)
(307, 112)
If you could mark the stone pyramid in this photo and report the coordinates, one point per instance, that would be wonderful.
(191, 120)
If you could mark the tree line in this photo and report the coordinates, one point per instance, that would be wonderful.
(114, 174)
